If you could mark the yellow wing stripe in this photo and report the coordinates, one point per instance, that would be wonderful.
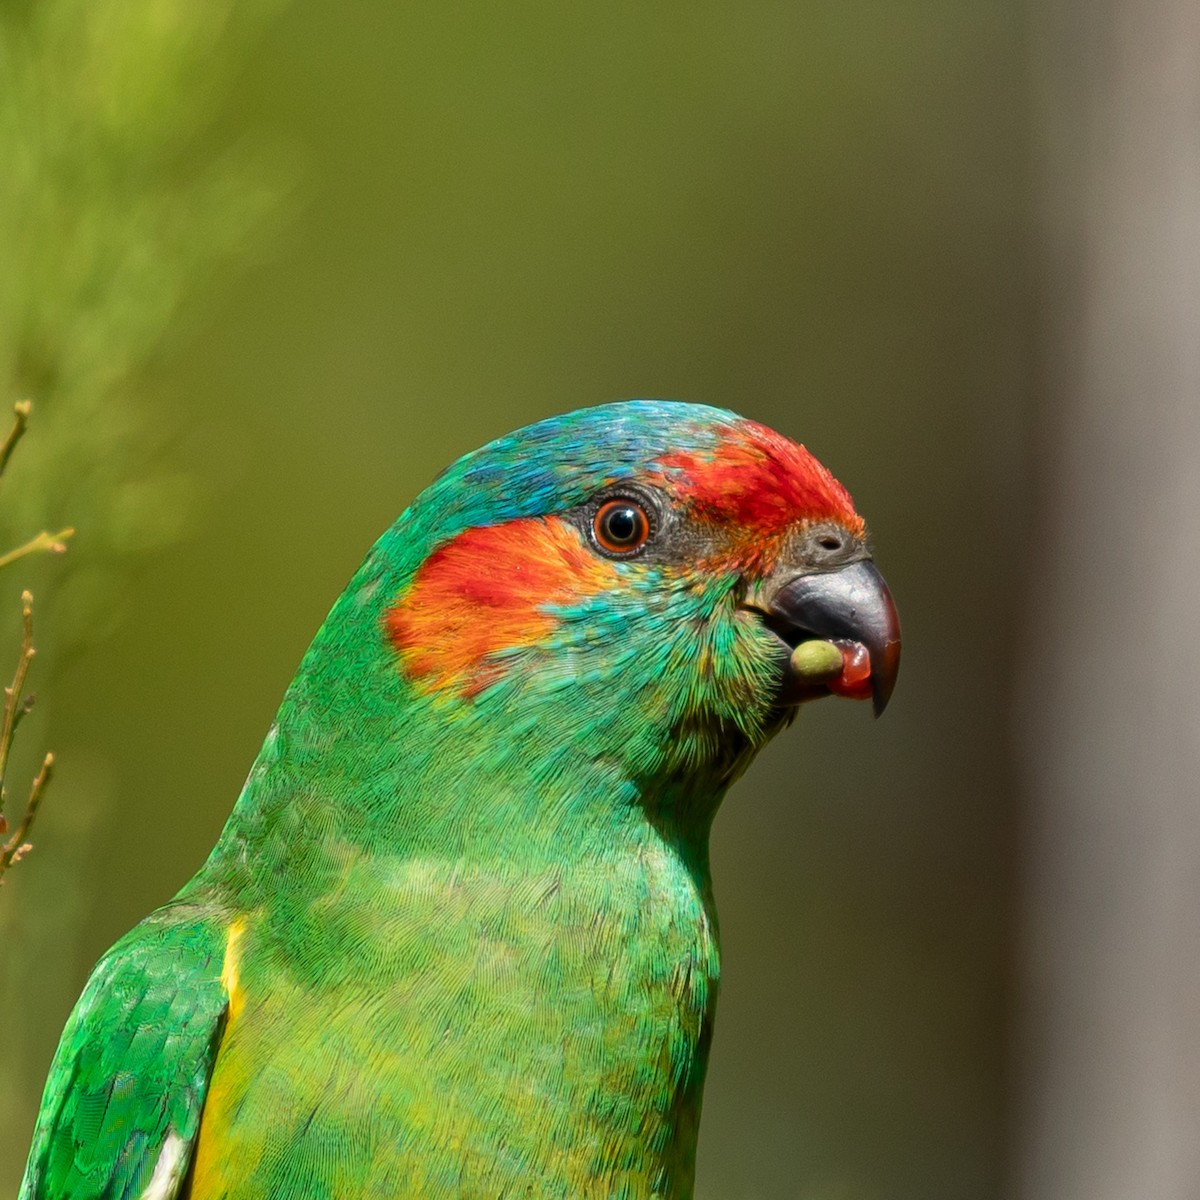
(229, 969)
(211, 1174)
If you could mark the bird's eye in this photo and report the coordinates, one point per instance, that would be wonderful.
(620, 526)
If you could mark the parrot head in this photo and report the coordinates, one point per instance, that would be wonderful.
(625, 592)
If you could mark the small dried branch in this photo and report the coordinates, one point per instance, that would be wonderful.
(16, 705)
(53, 543)
(16, 702)
(19, 845)
(21, 411)
(14, 698)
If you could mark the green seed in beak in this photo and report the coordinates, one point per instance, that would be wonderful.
(816, 661)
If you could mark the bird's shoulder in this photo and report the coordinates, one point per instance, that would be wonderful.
(122, 1105)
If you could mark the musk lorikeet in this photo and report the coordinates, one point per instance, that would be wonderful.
(457, 939)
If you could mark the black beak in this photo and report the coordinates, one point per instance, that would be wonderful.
(849, 605)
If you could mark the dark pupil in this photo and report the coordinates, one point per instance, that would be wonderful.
(621, 524)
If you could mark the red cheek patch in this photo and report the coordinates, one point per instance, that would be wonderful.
(488, 590)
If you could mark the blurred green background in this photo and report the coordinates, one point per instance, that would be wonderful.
(325, 250)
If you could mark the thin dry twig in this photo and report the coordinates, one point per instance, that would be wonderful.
(16, 702)
(16, 705)
(21, 411)
(19, 845)
(14, 699)
(53, 543)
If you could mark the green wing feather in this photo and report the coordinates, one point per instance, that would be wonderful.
(132, 1069)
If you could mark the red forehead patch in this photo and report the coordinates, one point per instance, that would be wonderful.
(760, 482)
(487, 590)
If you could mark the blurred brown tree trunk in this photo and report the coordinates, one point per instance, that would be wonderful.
(1110, 708)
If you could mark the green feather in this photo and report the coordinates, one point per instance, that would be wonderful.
(133, 1065)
